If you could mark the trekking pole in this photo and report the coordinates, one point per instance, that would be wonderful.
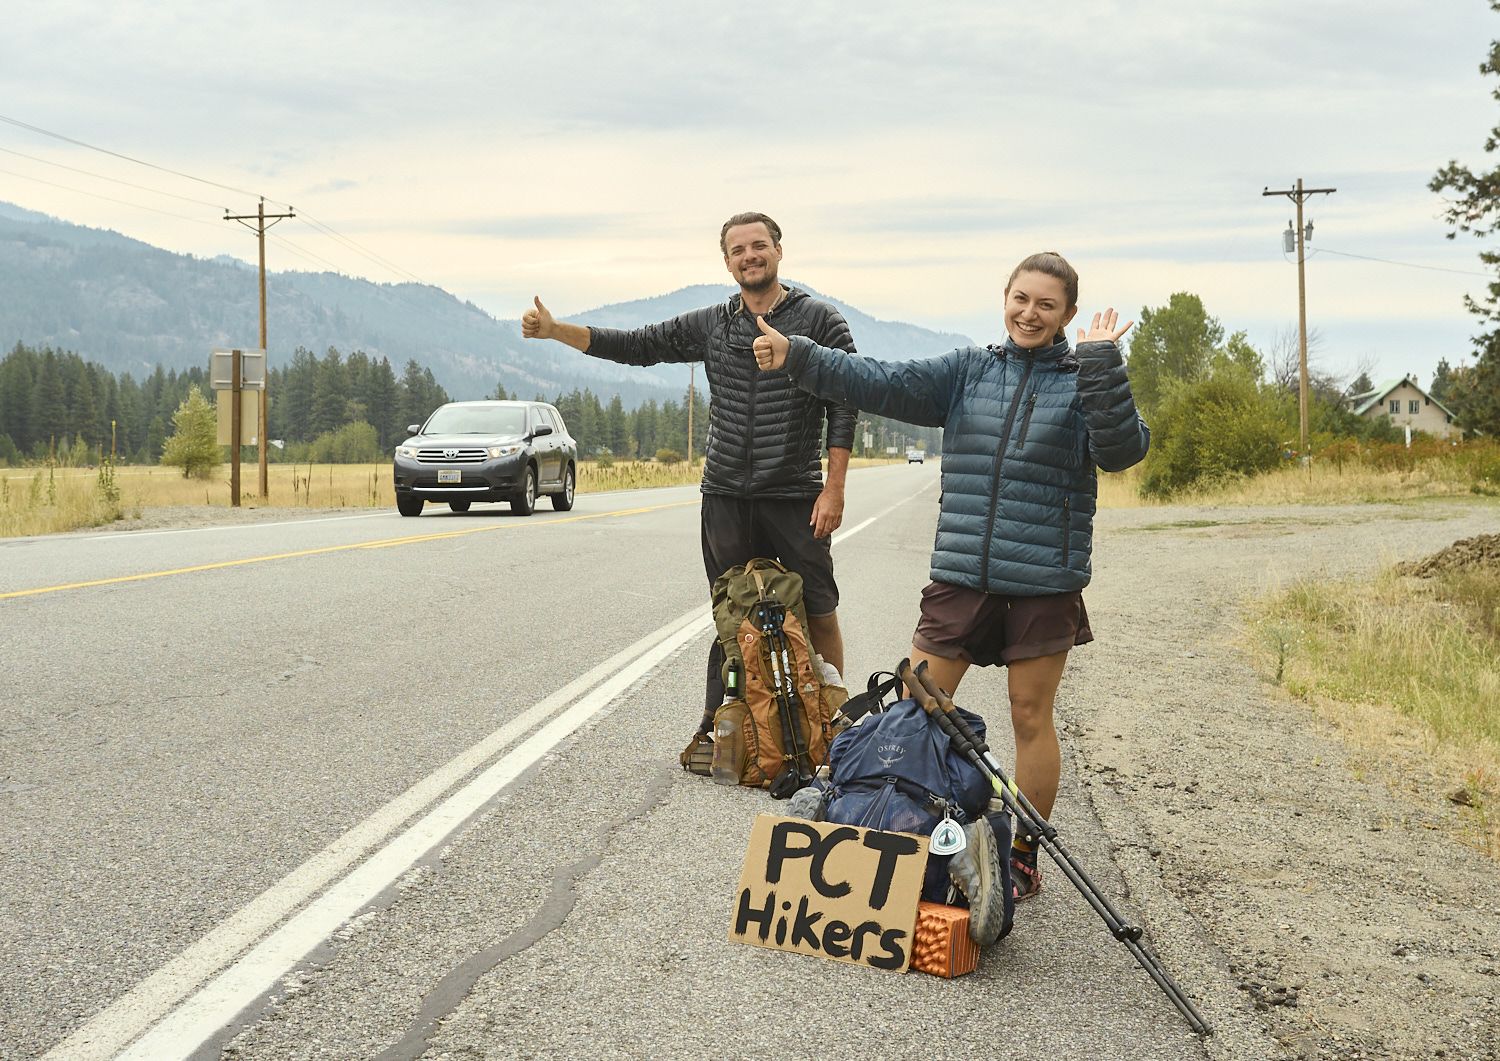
(940, 707)
(791, 776)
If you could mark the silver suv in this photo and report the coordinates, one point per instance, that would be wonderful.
(487, 451)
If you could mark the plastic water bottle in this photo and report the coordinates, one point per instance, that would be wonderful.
(729, 743)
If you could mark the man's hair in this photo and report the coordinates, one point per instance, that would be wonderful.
(749, 218)
(1049, 263)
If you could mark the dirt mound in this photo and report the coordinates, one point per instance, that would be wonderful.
(1482, 549)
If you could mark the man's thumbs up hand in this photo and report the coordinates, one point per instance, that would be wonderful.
(537, 323)
(771, 347)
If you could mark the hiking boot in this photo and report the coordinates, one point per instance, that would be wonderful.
(1025, 877)
(809, 803)
(976, 872)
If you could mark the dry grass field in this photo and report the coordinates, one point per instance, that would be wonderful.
(1401, 662)
(49, 500)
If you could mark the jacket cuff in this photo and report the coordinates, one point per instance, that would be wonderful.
(798, 355)
(1100, 353)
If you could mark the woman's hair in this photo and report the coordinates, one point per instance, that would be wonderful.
(1049, 263)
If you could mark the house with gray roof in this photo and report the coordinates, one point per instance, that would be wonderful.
(1406, 405)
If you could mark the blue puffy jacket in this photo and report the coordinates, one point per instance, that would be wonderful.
(1015, 518)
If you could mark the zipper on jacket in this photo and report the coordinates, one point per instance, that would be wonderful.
(1010, 422)
(750, 426)
(1067, 528)
(1026, 421)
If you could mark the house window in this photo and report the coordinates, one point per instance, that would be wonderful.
(1395, 406)
(1414, 406)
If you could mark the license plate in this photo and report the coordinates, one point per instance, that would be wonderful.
(454, 476)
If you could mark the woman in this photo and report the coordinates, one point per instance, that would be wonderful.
(1025, 426)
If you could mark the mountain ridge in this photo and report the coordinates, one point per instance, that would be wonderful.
(130, 306)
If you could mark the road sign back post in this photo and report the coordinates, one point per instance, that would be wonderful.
(235, 435)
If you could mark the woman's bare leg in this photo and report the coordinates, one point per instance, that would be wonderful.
(1033, 689)
(946, 672)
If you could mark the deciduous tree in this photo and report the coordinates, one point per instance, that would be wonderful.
(194, 445)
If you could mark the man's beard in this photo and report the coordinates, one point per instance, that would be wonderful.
(762, 286)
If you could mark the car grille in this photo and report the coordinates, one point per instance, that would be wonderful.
(452, 456)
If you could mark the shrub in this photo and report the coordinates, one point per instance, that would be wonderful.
(668, 456)
(606, 459)
(194, 445)
(355, 443)
(1211, 431)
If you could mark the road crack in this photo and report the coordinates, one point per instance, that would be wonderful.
(453, 988)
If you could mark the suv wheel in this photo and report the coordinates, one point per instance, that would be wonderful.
(459, 506)
(564, 501)
(408, 505)
(523, 502)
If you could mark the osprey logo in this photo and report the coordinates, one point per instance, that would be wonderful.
(449, 454)
(890, 754)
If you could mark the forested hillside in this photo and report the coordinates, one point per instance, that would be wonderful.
(57, 406)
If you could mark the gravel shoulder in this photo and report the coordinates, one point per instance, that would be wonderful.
(188, 517)
(1313, 894)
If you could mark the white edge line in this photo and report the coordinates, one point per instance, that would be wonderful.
(186, 1028)
(155, 996)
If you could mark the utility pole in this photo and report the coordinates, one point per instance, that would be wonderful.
(1300, 195)
(260, 217)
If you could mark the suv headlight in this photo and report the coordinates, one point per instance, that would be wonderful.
(406, 451)
(504, 451)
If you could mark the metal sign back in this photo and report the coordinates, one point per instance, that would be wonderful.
(252, 369)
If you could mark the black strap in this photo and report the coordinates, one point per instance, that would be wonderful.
(872, 699)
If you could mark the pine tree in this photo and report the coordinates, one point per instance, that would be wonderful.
(330, 395)
(1475, 208)
(617, 429)
(49, 408)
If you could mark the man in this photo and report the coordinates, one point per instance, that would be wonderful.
(763, 487)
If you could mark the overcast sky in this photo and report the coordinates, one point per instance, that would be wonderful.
(589, 151)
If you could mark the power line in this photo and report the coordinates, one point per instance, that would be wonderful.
(107, 198)
(1388, 261)
(127, 158)
(113, 180)
(320, 226)
(357, 248)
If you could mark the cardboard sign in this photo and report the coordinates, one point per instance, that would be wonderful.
(835, 891)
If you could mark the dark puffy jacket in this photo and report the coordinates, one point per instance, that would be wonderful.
(764, 432)
(1017, 517)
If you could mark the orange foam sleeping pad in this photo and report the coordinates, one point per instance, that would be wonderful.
(942, 946)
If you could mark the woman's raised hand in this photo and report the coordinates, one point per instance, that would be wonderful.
(1104, 330)
(770, 347)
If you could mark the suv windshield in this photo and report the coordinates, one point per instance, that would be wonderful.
(477, 420)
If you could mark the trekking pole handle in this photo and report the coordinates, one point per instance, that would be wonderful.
(950, 709)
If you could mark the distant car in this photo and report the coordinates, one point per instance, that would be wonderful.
(487, 451)
(914, 456)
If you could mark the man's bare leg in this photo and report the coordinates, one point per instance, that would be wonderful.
(828, 639)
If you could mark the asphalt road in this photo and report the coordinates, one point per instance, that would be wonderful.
(381, 787)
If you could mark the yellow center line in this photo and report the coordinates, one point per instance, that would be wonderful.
(382, 544)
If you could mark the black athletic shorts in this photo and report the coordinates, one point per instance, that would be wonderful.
(736, 531)
(990, 629)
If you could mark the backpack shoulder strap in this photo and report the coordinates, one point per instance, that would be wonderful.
(873, 698)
